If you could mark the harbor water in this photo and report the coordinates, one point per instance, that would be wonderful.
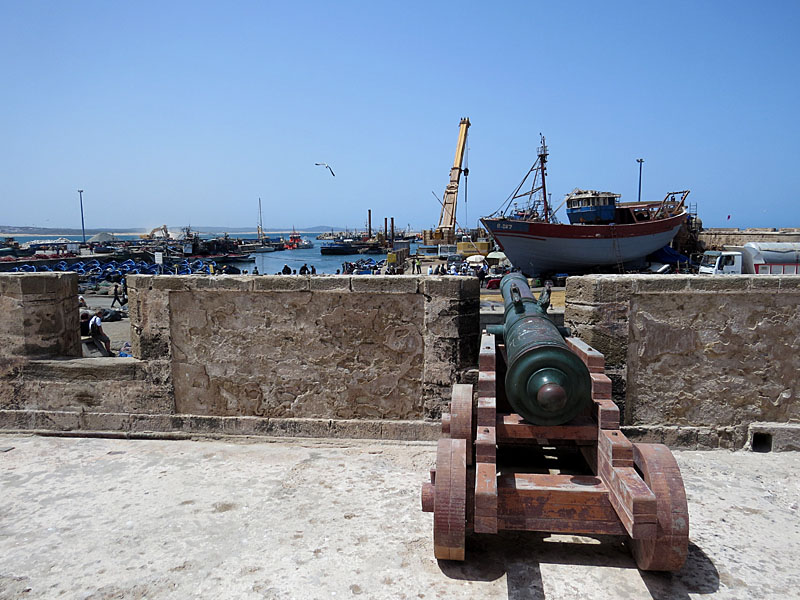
(268, 263)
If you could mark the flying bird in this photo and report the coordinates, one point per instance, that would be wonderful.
(327, 166)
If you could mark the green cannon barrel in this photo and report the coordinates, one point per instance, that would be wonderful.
(546, 383)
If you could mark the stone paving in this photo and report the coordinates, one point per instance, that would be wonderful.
(104, 518)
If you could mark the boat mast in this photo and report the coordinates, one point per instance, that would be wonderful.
(260, 227)
(542, 167)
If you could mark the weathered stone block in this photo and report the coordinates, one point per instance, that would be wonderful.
(581, 289)
(673, 284)
(355, 429)
(385, 284)
(719, 283)
(140, 282)
(171, 283)
(11, 284)
(614, 288)
(89, 421)
(150, 423)
(450, 287)
(223, 283)
(332, 283)
(17, 420)
(299, 428)
(411, 430)
(707, 438)
(281, 283)
(56, 421)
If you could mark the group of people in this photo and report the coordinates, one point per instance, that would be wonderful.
(304, 270)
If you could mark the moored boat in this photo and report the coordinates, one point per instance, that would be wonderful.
(338, 247)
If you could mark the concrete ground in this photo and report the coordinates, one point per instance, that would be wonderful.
(102, 518)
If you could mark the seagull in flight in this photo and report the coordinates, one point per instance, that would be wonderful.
(327, 166)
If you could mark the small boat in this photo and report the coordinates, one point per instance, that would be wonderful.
(297, 242)
(338, 247)
(602, 231)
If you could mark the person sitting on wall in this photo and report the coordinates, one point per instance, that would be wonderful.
(313, 270)
(304, 270)
(81, 302)
(96, 331)
(287, 270)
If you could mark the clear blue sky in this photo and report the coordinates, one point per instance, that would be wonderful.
(187, 112)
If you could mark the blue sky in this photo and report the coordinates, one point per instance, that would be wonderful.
(188, 112)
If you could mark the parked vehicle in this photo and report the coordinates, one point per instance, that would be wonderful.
(754, 258)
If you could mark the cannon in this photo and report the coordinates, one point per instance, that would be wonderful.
(545, 381)
(538, 447)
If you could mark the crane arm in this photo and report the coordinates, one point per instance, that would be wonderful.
(447, 219)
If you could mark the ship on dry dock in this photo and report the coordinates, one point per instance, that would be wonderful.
(601, 230)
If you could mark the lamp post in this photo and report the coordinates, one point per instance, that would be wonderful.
(640, 161)
(83, 229)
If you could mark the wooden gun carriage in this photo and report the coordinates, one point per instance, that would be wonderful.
(496, 470)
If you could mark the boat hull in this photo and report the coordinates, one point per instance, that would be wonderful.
(539, 248)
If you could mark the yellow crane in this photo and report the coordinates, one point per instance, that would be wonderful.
(446, 230)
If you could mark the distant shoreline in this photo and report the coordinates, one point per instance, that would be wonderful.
(11, 231)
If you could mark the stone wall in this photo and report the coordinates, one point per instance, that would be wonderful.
(321, 347)
(715, 239)
(695, 351)
(353, 356)
(40, 315)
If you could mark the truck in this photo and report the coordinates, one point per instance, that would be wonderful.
(754, 258)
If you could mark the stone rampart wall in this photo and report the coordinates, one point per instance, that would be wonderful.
(39, 313)
(717, 238)
(694, 351)
(322, 356)
(321, 347)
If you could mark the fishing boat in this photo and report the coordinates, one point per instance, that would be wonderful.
(338, 247)
(298, 242)
(601, 231)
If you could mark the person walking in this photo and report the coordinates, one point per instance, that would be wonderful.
(116, 296)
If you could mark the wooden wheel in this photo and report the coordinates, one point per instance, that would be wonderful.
(668, 551)
(450, 500)
(461, 416)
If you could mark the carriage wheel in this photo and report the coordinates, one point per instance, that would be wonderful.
(450, 500)
(461, 416)
(668, 551)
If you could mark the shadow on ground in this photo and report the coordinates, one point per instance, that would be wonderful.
(519, 556)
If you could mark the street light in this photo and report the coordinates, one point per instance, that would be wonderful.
(640, 161)
(83, 229)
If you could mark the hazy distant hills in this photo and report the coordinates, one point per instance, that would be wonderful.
(12, 229)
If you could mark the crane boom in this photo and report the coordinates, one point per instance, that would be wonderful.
(447, 219)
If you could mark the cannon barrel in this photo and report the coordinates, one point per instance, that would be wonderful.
(546, 383)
